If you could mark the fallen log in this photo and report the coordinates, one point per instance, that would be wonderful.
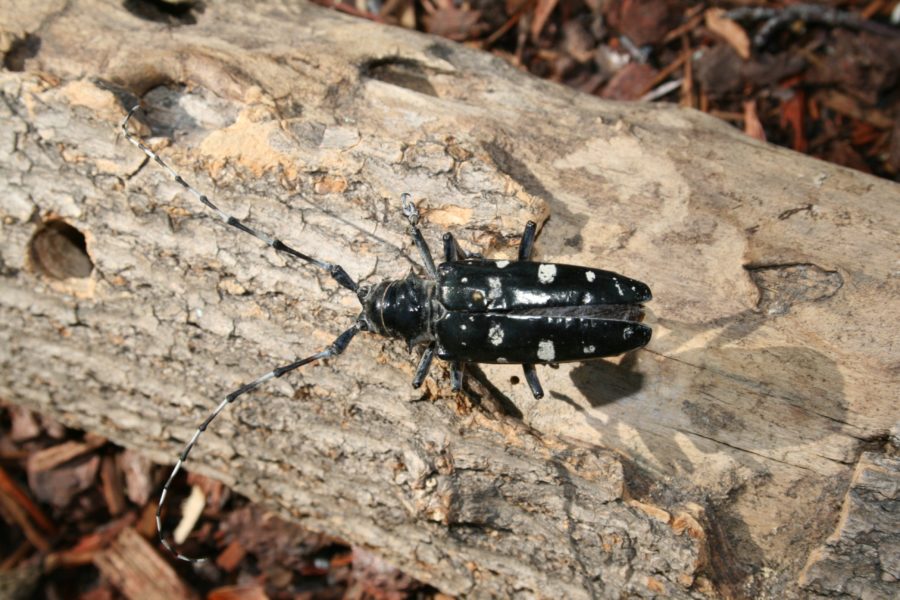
(713, 462)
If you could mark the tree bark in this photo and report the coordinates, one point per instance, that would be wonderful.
(712, 463)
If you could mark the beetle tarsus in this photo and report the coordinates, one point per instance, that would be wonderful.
(533, 382)
(424, 366)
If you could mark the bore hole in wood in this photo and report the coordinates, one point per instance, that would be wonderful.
(20, 50)
(162, 11)
(58, 250)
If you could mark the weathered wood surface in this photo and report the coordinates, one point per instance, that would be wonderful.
(714, 462)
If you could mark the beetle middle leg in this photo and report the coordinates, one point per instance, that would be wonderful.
(457, 374)
(526, 246)
(453, 251)
(533, 382)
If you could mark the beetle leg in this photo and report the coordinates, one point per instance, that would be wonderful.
(457, 373)
(453, 251)
(412, 215)
(527, 245)
(533, 382)
(424, 365)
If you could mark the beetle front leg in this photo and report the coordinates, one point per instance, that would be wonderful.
(412, 215)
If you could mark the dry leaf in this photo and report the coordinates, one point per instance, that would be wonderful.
(238, 592)
(752, 125)
(445, 19)
(138, 477)
(894, 150)
(111, 480)
(132, 565)
(630, 82)
(728, 30)
(792, 116)
(12, 490)
(542, 12)
(229, 559)
(24, 423)
(48, 458)
(645, 22)
(58, 486)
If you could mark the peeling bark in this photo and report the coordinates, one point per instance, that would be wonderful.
(711, 463)
(861, 559)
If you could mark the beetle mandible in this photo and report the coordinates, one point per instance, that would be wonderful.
(466, 310)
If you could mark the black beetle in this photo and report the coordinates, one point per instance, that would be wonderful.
(467, 309)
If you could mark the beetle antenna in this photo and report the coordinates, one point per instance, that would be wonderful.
(336, 348)
(336, 271)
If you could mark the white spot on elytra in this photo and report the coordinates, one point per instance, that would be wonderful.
(618, 287)
(496, 289)
(627, 332)
(546, 351)
(588, 298)
(465, 280)
(500, 359)
(463, 327)
(590, 276)
(472, 319)
(589, 349)
(546, 273)
(501, 263)
(495, 334)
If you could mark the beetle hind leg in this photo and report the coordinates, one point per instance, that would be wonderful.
(533, 382)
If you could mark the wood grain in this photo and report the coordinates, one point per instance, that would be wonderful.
(773, 363)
